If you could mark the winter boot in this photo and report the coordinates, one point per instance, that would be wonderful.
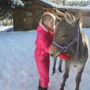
(40, 88)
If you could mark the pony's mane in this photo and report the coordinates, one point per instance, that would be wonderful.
(69, 17)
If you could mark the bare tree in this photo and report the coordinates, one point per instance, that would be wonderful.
(64, 2)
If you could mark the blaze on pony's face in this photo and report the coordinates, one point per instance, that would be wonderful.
(64, 34)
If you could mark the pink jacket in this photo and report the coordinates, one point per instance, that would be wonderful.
(43, 42)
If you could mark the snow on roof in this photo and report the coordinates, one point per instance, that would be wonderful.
(66, 7)
(74, 7)
(48, 2)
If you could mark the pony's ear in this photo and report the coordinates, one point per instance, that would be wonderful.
(69, 17)
(77, 20)
(58, 13)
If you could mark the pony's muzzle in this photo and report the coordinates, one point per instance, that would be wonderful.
(52, 55)
(53, 51)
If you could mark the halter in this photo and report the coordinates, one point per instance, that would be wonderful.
(75, 40)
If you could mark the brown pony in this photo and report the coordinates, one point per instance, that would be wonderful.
(70, 38)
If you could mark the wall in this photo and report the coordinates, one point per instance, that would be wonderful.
(27, 18)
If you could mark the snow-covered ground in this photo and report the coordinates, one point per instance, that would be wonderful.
(6, 28)
(18, 68)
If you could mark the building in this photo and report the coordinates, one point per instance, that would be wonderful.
(28, 18)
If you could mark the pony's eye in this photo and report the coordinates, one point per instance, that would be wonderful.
(64, 35)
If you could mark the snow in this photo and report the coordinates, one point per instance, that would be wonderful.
(6, 28)
(66, 7)
(18, 69)
(48, 2)
(74, 7)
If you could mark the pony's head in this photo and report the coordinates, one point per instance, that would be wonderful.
(66, 31)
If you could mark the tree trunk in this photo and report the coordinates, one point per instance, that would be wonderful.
(64, 2)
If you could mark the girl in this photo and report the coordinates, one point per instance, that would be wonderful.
(43, 41)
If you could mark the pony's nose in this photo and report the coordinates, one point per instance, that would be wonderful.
(52, 55)
(64, 35)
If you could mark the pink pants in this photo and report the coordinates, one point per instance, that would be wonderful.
(43, 69)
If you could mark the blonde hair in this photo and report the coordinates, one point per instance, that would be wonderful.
(48, 17)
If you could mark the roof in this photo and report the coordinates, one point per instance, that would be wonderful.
(73, 7)
(45, 3)
(51, 4)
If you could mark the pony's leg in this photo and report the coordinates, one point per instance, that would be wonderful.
(78, 79)
(65, 76)
(54, 66)
(60, 66)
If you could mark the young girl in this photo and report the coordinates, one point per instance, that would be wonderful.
(43, 41)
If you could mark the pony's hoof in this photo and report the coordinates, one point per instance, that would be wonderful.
(60, 70)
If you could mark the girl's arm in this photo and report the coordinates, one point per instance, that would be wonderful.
(43, 43)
